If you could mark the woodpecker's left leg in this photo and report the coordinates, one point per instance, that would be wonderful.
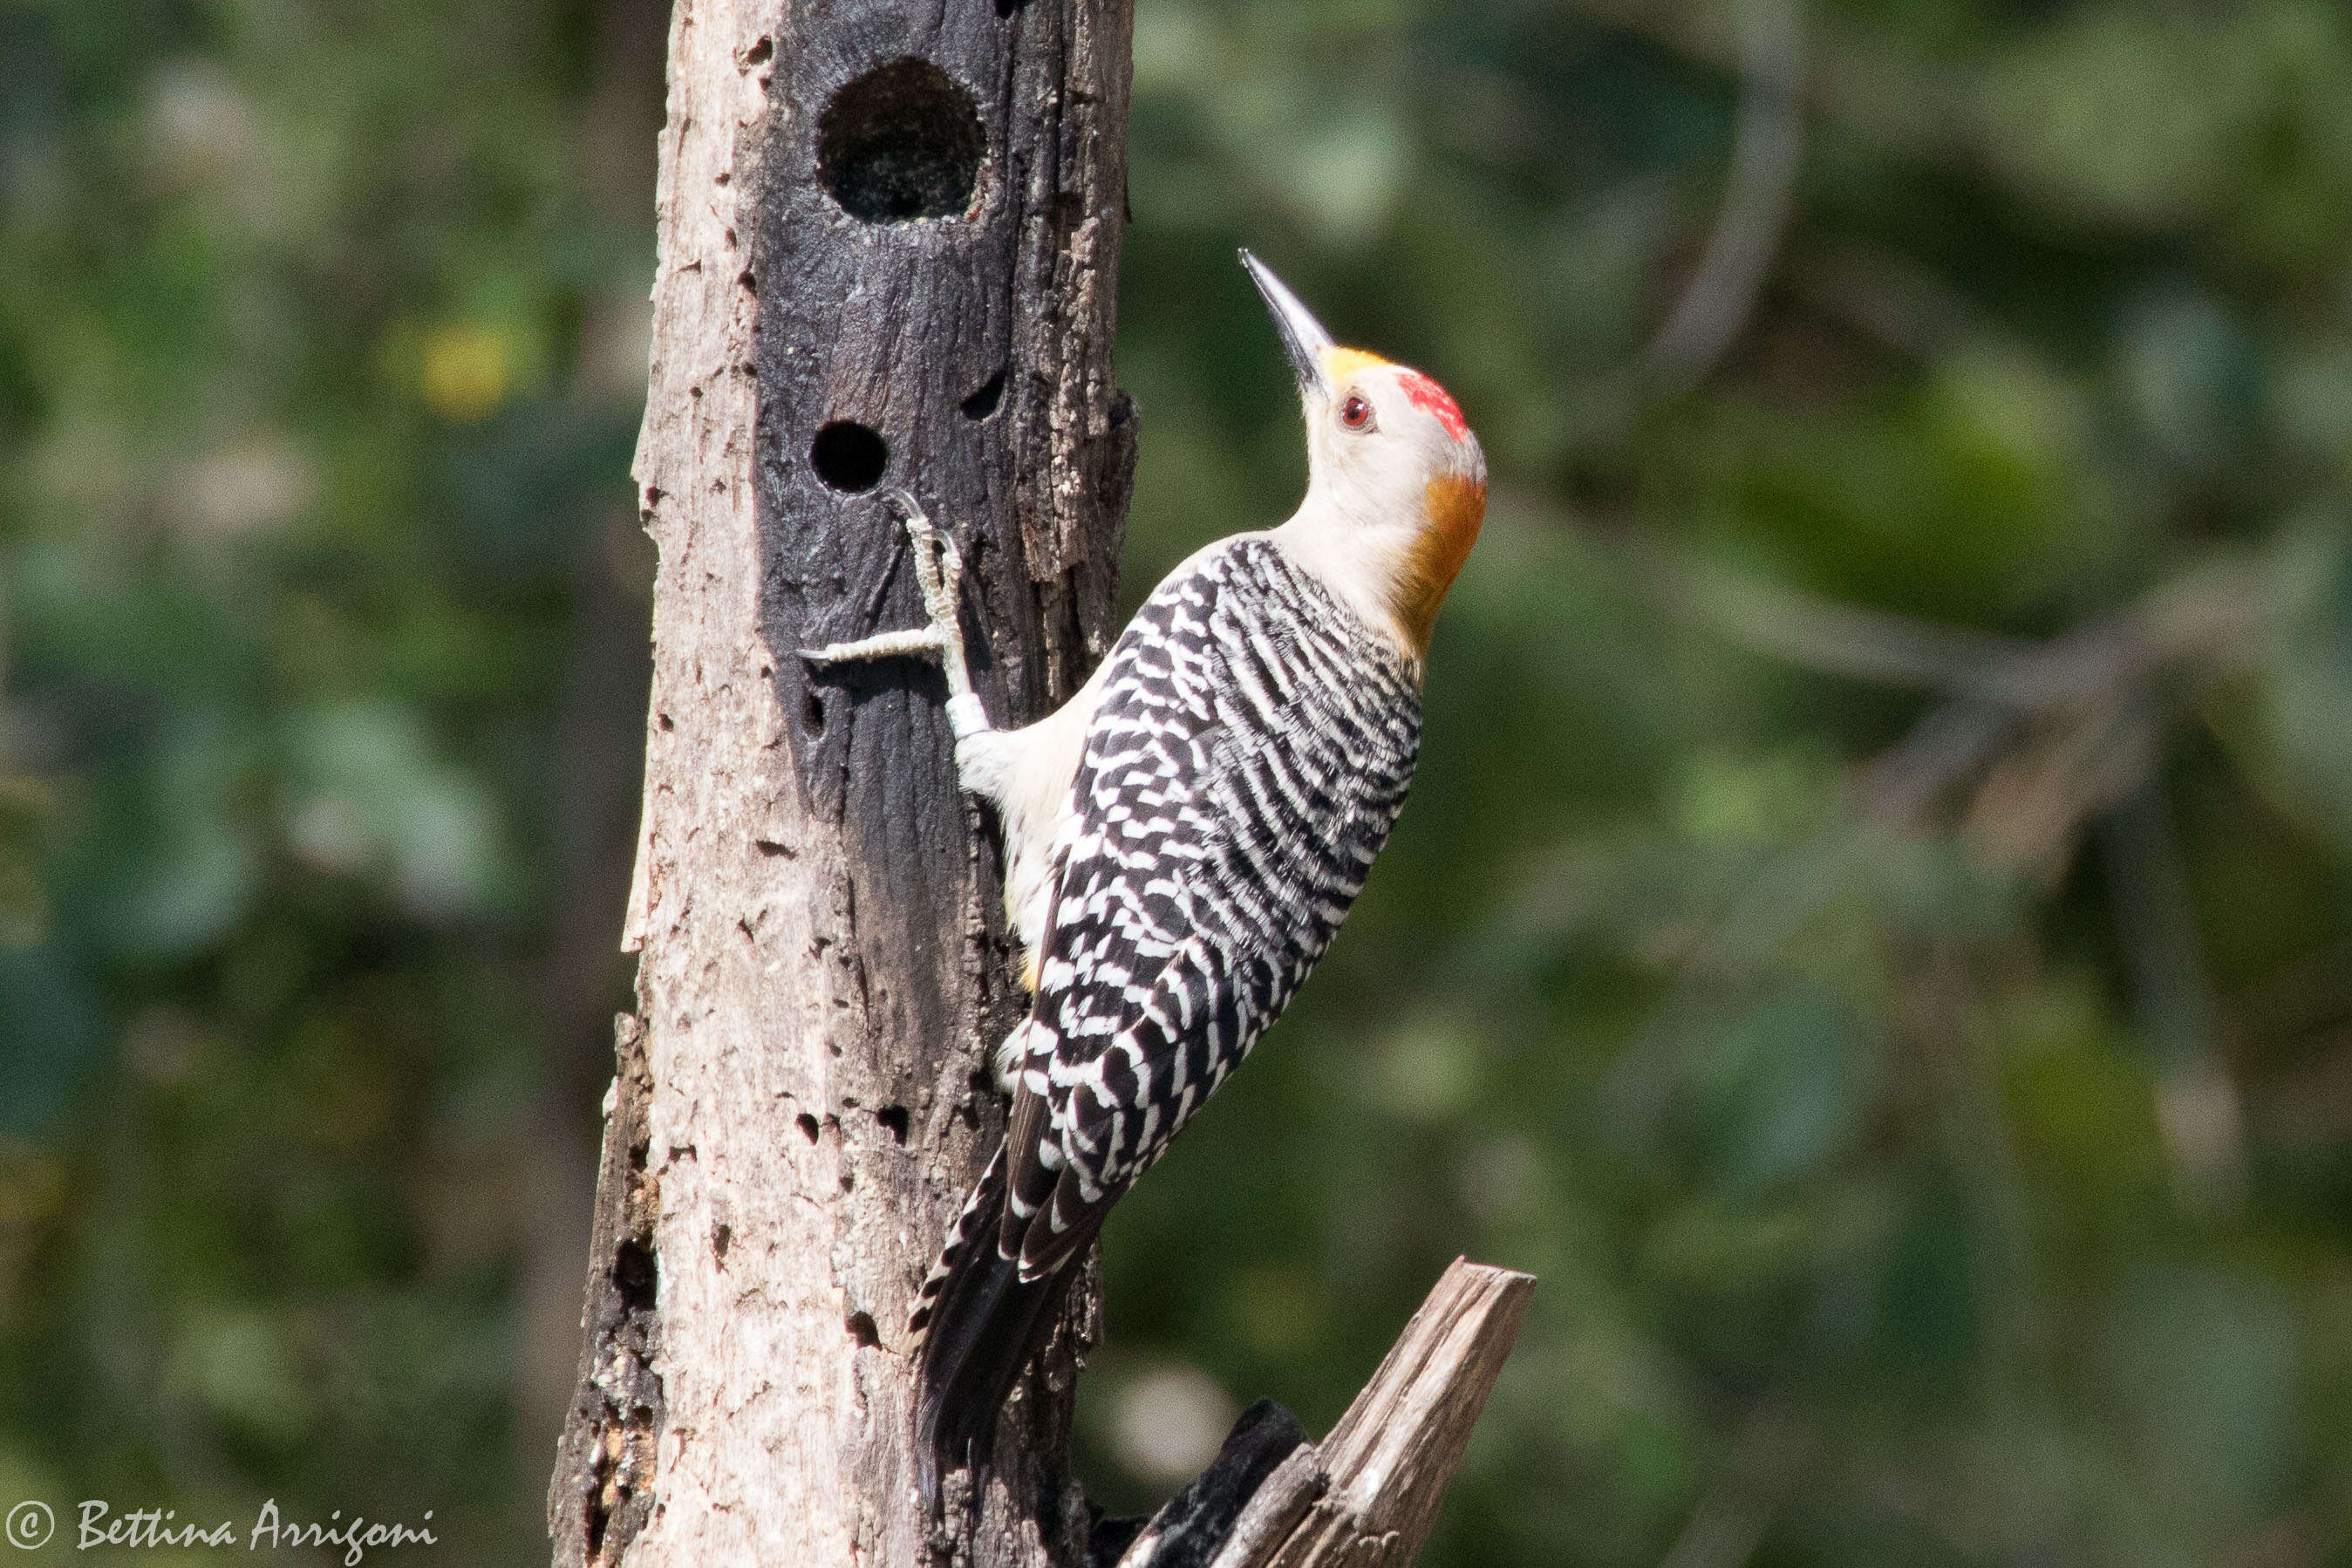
(984, 754)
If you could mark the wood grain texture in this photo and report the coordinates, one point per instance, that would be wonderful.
(1368, 1494)
(1391, 1454)
(1275, 1512)
(822, 959)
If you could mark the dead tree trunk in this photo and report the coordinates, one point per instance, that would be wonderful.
(889, 241)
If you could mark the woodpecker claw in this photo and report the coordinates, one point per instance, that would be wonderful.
(939, 564)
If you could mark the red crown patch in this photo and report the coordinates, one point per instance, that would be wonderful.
(1427, 394)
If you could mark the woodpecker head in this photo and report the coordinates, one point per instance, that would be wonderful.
(1396, 486)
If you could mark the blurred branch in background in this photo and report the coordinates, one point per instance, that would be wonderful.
(2048, 737)
(1768, 143)
(2198, 627)
(2196, 1100)
(1854, 80)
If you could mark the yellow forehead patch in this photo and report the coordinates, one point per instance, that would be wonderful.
(1341, 363)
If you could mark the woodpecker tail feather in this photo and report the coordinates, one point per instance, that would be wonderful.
(980, 1324)
(970, 1368)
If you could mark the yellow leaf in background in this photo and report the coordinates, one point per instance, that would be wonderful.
(469, 370)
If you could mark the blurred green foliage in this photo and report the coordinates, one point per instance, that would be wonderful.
(1872, 930)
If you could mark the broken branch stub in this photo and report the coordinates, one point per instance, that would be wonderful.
(1367, 1495)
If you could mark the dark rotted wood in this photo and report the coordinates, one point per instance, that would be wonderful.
(823, 966)
(976, 347)
(1188, 1531)
(599, 1492)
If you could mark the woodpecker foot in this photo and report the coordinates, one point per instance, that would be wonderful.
(938, 573)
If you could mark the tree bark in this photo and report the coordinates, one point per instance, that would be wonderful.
(888, 243)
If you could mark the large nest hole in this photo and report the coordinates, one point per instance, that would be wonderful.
(903, 141)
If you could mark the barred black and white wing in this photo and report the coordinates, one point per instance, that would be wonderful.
(1253, 744)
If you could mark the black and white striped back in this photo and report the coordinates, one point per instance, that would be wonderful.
(1253, 742)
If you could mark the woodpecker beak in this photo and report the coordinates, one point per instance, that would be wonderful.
(1303, 337)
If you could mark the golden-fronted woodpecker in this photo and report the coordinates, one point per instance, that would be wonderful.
(1184, 836)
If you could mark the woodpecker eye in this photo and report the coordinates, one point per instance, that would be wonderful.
(1356, 413)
